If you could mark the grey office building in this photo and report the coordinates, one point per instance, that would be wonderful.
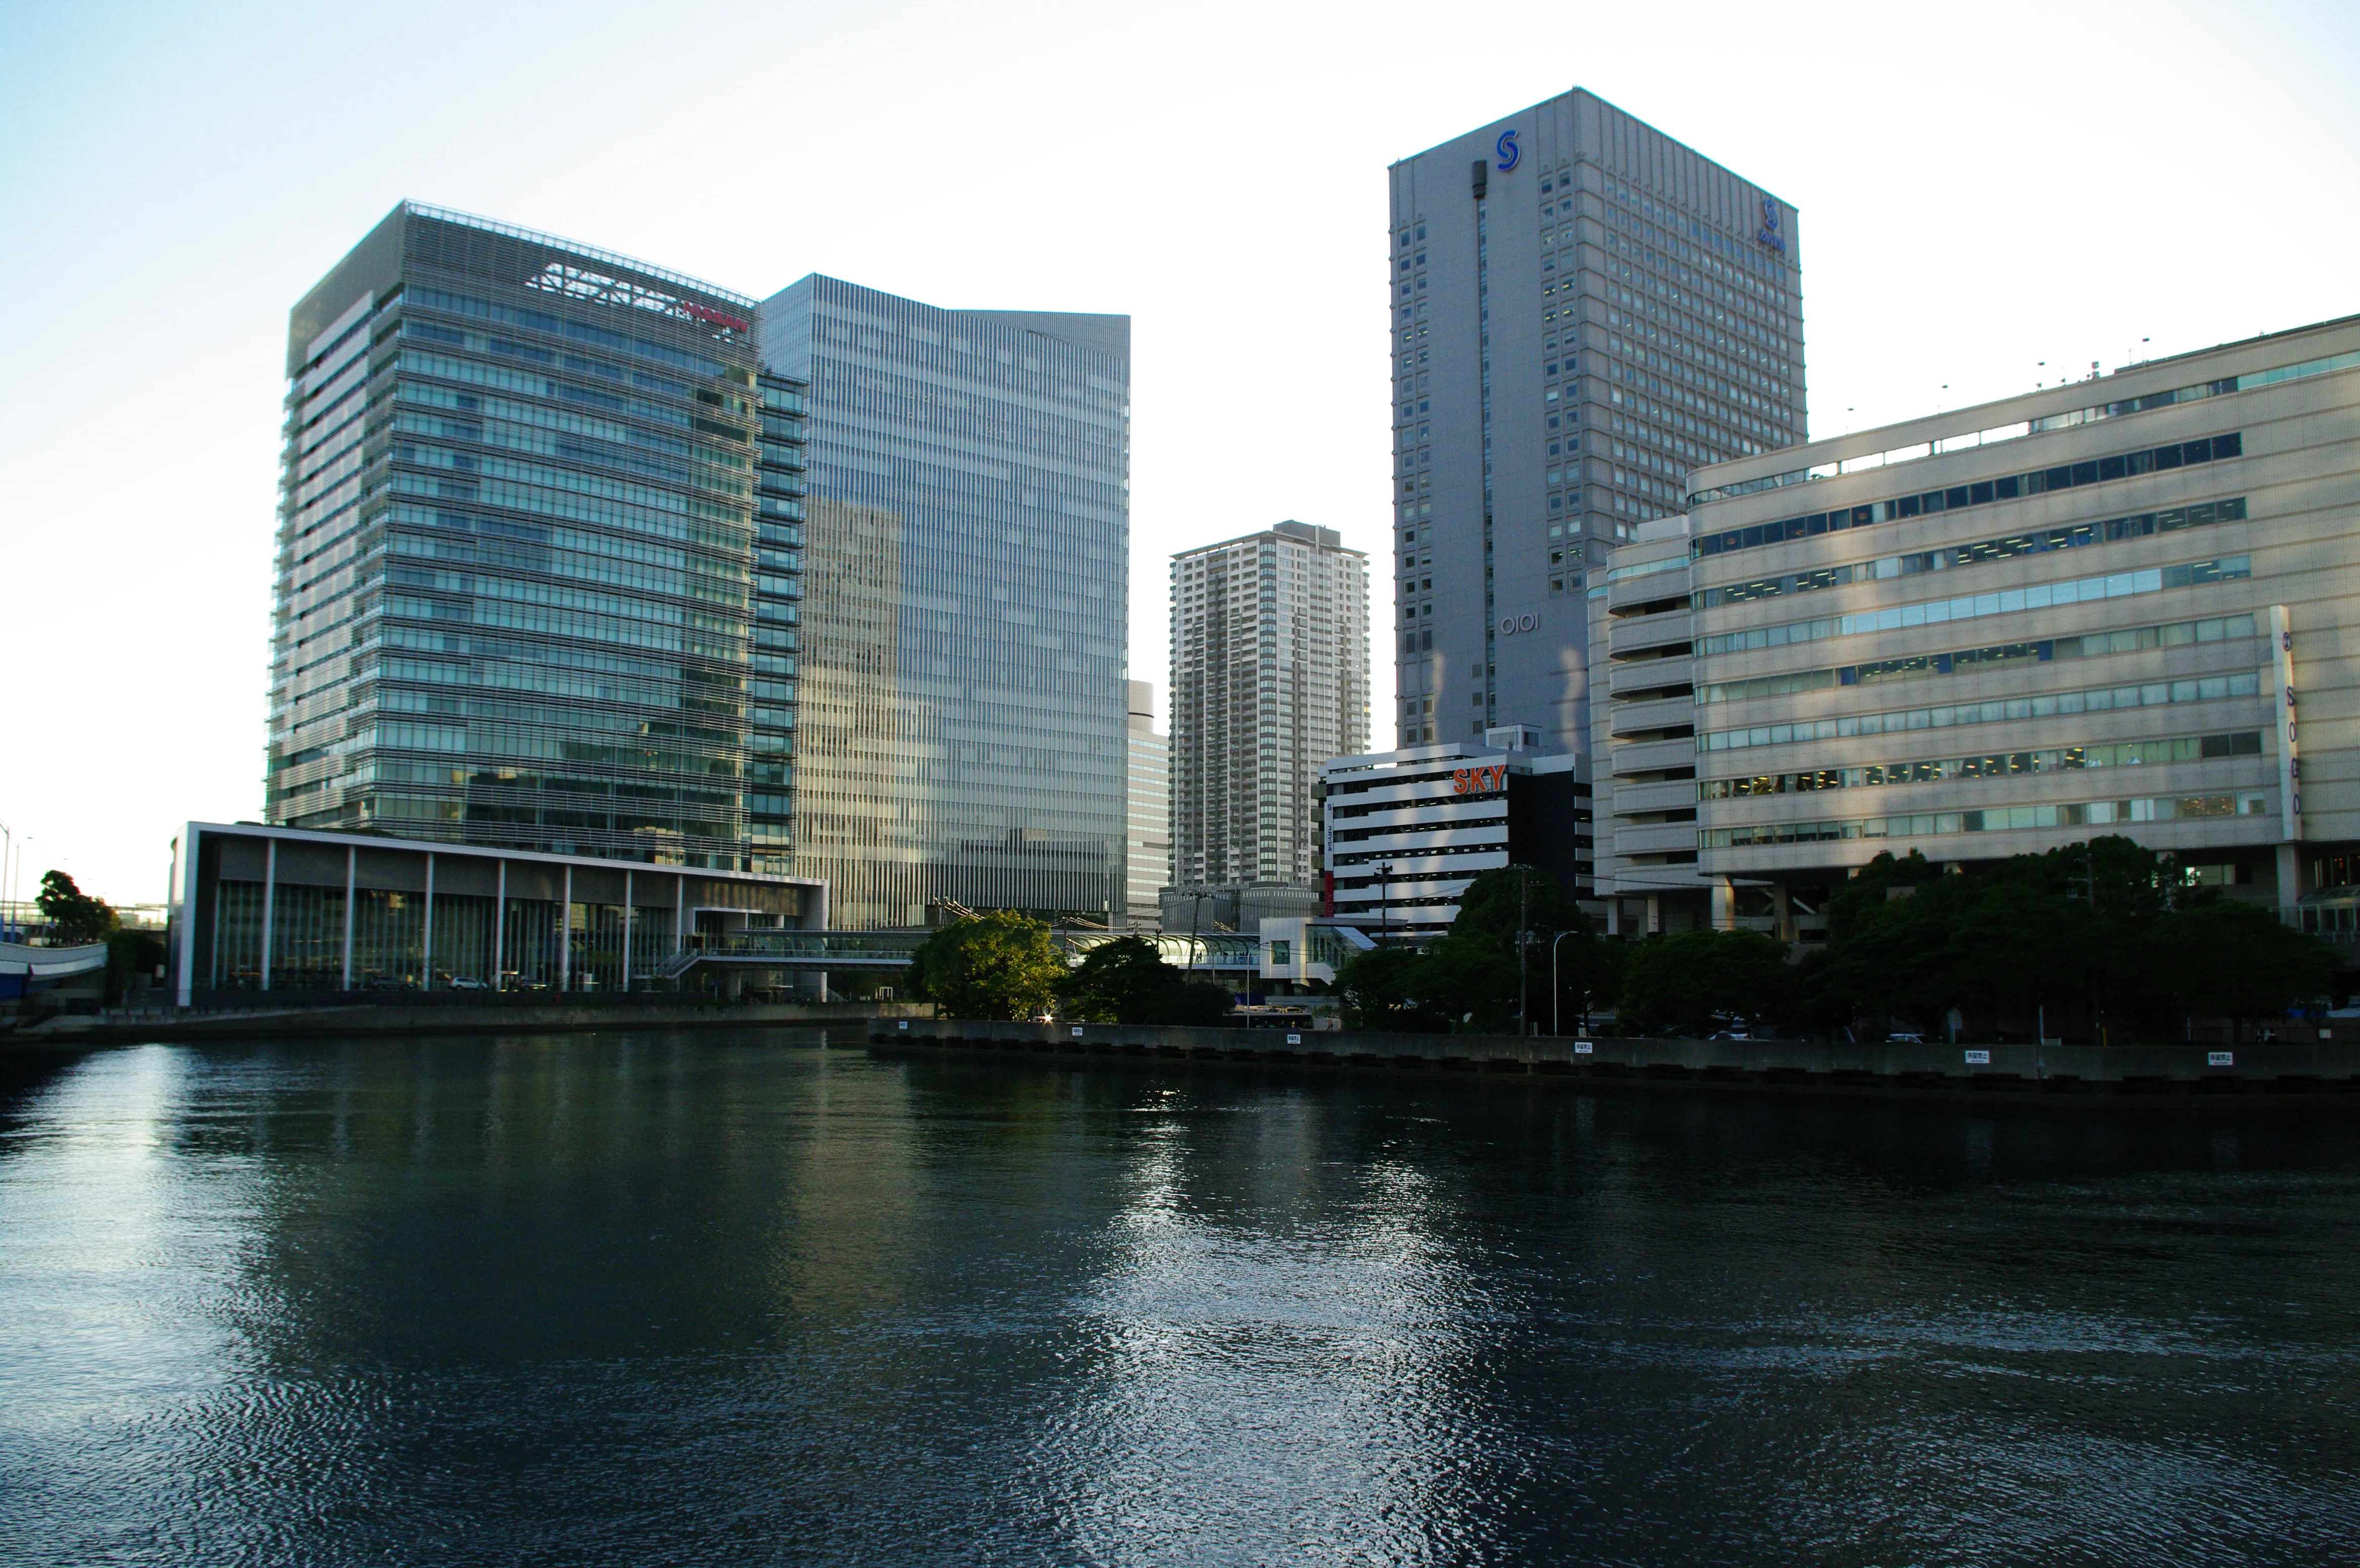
(520, 498)
(1582, 310)
(962, 714)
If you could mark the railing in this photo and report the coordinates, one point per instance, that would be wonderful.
(1209, 952)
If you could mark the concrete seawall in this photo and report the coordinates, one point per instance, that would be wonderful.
(169, 1025)
(2307, 1071)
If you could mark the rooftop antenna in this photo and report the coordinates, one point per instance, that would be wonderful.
(2044, 365)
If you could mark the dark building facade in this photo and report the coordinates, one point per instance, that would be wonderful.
(1581, 310)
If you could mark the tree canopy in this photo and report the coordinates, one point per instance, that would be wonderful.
(1688, 981)
(1126, 980)
(2104, 937)
(996, 966)
(2107, 932)
(75, 917)
(1469, 976)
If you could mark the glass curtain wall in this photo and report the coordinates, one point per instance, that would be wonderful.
(237, 935)
(388, 940)
(770, 694)
(530, 943)
(462, 939)
(531, 952)
(548, 456)
(962, 711)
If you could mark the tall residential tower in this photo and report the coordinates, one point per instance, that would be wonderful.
(1270, 679)
(1582, 310)
(518, 603)
(1148, 788)
(963, 706)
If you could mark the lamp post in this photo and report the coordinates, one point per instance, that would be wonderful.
(1556, 1026)
(1195, 918)
(1385, 903)
(1524, 944)
(17, 889)
(7, 903)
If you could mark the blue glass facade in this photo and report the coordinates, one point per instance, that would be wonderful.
(962, 720)
(537, 555)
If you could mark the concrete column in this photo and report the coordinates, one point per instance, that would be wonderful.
(679, 915)
(1654, 914)
(627, 930)
(269, 901)
(1724, 905)
(500, 928)
(1782, 908)
(426, 936)
(191, 837)
(351, 867)
(2289, 882)
(565, 936)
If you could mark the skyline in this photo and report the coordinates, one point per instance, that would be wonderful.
(1231, 185)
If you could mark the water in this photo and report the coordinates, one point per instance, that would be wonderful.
(706, 1298)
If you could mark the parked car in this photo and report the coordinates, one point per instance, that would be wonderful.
(467, 982)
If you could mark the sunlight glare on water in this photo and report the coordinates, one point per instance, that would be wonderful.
(751, 1297)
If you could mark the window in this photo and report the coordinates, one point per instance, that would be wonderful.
(2008, 488)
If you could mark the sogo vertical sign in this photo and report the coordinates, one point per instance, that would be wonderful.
(2290, 763)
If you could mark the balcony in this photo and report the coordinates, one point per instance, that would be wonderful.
(1641, 634)
(1654, 838)
(1658, 713)
(1667, 795)
(1647, 589)
(1649, 674)
(1652, 756)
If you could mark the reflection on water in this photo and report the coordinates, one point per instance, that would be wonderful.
(702, 1299)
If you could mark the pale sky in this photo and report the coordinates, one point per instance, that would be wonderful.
(1981, 188)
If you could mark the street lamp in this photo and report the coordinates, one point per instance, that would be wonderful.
(1555, 1027)
(1385, 904)
(1523, 943)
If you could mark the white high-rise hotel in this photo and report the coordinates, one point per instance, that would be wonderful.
(1270, 679)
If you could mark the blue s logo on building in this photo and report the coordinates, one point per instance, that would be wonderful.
(1772, 233)
(1508, 154)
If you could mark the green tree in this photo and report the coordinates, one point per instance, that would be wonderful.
(1121, 982)
(1384, 989)
(1195, 1004)
(75, 917)
(992, 966)
(130, 955)
(2223, 959)
(2105, 931)
(1996, 943)
(1473, 974)
(1683, 981)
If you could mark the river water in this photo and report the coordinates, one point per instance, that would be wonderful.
(707, 1297)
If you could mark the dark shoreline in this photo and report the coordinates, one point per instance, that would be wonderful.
(2140, 1077)
(338, 1022)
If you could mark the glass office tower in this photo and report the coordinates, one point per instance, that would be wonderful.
(517, 570)
(1581, 310)
(963, 709)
